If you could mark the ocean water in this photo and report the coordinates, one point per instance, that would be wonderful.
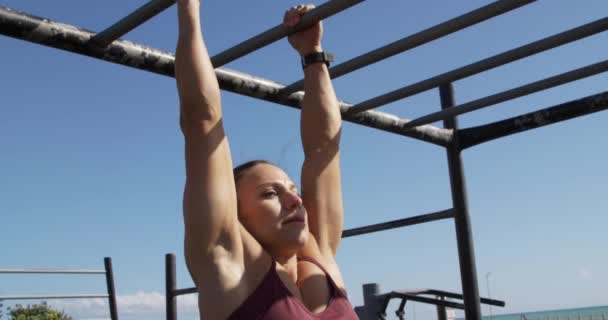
(589, 313)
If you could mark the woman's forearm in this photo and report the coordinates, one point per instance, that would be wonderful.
(197, 84)
(321, 119)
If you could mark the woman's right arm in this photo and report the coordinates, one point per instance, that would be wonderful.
(210, 205)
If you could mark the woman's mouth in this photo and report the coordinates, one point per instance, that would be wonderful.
(297, 218)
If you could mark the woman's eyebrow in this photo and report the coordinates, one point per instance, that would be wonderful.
(291, 185)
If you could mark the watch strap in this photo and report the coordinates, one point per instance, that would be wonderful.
(316, 57)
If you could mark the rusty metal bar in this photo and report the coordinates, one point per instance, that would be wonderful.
(461, 22)
(486, 64)
(274, 34)
(132, 21)
(521, 91)
(398, 223)
(473, 136)
(61, 36)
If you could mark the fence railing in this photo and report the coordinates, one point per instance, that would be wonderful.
(107, 272)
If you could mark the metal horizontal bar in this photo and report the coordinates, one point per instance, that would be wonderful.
(398, 223)
(51, 271)
(130, 22)
(418, 39)
(70, 38)
(274, 34)
(68, 296)
(476, 135)
(448, 294)
(180, 292)
(437, 302)
(486, 64)
(521, 91)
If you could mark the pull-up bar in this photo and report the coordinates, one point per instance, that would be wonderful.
(445, 214)
(486, 64)
(279, 32)
(456, 24)
(65, 37)
(154, 7)
(130, 22)
(475, 135)
(521, 91)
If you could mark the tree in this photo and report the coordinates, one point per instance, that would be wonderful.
(36, 312)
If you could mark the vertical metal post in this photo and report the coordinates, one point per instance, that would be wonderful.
(171, 286)
(370, 309)
(441, 311)
(111, 289)
(464, 237)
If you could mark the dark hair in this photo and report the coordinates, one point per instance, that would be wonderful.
(241, 169)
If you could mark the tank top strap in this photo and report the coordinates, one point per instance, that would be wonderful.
(336, 289)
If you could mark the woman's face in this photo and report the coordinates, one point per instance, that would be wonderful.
(271, 209)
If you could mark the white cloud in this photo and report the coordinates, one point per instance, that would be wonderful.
(150, 305)
(584, 273)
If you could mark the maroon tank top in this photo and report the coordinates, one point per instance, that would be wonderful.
(271, 300)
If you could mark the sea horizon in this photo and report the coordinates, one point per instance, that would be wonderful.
(579, 313)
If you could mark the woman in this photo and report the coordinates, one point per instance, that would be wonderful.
(254, 248)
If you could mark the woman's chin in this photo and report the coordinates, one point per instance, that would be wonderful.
(296, 238)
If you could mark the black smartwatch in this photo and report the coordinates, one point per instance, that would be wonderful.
(315, 57)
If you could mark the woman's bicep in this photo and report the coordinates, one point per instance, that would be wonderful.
(210, 208)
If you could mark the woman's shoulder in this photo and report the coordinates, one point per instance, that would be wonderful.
(311, 261)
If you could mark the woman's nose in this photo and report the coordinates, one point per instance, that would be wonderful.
(292, 200)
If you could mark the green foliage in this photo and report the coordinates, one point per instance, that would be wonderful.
(36, 312)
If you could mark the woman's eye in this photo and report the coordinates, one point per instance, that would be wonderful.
(269, 194)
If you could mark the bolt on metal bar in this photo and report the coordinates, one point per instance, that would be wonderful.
(50, 271)
(486, 64)
(70, 38)
(68, 296)
(130, 22)
(473, 136)
(274, 34)
(398, 223)
(462, 219)
(521, 91)
(461, 22)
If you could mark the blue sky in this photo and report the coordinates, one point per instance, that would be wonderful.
(92, 157)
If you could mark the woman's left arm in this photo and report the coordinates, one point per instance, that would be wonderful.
(320, 130)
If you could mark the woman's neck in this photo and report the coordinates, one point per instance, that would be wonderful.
(289, 264)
